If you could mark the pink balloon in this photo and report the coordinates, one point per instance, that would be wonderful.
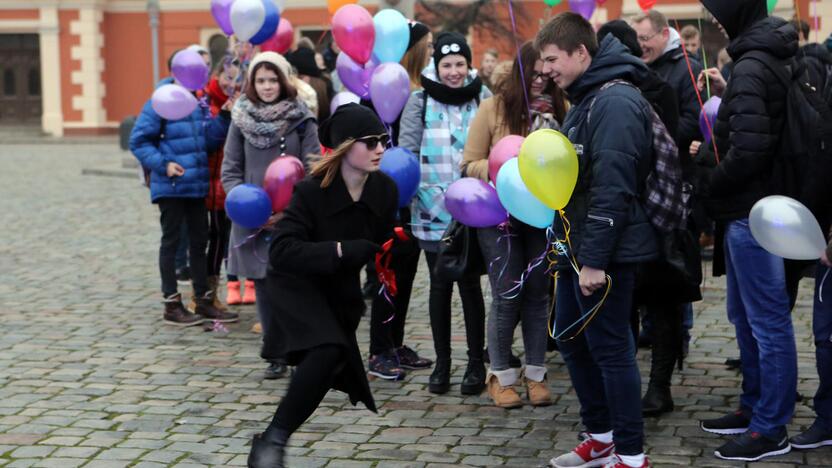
(355, 77)
(389, 90)
(354, 32)
(507, 148)
(281, 176)
(282, 39)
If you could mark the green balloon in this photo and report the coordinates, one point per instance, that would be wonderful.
(771, 4)
(553, 3)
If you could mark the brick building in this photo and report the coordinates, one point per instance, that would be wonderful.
(81, 66)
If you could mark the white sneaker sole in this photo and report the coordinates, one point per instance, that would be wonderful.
(385, 376)
(759, 457)
(822, 443)
(590, 464)
(732, 431)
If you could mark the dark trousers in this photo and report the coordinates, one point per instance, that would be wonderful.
(390, 335)
(311, 380)
(273, 342)
(473, 310)
(219, 231)
(601, 359)
(174, 212)
(182, 249)
(822, 330)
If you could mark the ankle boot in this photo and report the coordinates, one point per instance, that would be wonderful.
(233, 296)
(176, 314)
(440, 379)
(249, 295)
(473, 383)
(266, 453)
(205, 308)
(214, 286)
(666, 341)
(656, 401)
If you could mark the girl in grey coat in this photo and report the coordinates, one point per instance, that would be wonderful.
(267, 122)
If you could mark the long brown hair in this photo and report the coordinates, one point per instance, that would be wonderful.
(512, 90)
(287, 91)
(329, 165)
(414, 61)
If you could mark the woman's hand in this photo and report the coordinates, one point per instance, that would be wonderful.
(717, 81)
(273, 219)
(694, 148)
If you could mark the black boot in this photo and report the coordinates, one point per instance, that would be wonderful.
(656, 401)
(666, 337)
(473, 383)
(266, 453)
(440, 379)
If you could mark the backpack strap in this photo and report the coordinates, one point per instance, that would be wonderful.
(607, 85)
(782, 71)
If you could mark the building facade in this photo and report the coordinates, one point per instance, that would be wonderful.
(81, 66)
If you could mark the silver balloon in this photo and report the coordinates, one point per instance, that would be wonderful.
(786, 228)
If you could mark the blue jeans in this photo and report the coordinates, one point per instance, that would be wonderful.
(822, 330)
(601, 359)
(758, 306)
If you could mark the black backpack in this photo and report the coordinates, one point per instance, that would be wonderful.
(802, 163)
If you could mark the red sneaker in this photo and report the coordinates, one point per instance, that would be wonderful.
(615, 462)
(589, 453)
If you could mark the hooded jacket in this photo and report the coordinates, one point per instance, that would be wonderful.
(614, 147)
(818, 63)
(673, 67)
(751, 116)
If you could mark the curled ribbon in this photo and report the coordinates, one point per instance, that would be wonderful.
(386, 275)
(250, 238)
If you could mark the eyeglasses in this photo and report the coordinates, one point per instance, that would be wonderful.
(373, 141)
(647, 38)
(539, 76)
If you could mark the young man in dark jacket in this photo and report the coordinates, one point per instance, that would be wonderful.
(816, 57)
(747, 130)
(610, 235)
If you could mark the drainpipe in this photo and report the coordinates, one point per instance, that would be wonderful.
(153, 13)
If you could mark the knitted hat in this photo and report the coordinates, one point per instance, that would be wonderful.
(270, 57)
(624, 32)
(349, 121)
(450, 43)
(417, 32)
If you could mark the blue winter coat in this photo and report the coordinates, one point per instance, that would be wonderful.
(615, 152)
(155, 142)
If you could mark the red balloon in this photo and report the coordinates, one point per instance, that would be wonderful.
(282, 39)
(281, 176)
(646, 5)
(354, 32)
(507, 148)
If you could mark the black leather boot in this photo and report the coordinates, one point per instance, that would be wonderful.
(473, 383)
(266, 453)
(656, 401)
(440, 379)
(666, 336)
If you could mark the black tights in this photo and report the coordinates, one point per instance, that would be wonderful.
(311, 381)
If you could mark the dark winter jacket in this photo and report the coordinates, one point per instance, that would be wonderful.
(818, 63)
(614, 149)
(674, 69)
(750, 118)
(156, 142)
(318, 297)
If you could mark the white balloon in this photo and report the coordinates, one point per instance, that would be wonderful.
(247, 17)
(786, 228)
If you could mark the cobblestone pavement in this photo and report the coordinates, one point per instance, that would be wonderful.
(89, 376)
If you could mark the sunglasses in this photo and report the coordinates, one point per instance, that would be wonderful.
(373, 141)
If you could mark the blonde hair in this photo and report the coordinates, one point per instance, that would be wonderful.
(414, 62)
(329, 165)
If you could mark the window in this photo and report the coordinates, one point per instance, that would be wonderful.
(9, 85)
(34, 82)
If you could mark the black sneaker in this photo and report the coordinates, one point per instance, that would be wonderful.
(753, 446)
(410, 359)
(814, 437)
(276, 370)
(736, 423)
(386, 366)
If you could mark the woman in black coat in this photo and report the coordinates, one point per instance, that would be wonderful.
(337, 219)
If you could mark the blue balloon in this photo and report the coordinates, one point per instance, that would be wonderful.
(518, 200)
(248, 206)
(392, 36)
(270, 22)
(403, 167)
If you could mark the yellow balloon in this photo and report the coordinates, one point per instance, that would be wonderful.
(549, 167)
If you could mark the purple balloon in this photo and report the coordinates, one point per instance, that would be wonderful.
(344, 97)
(189, 69)
(389, 90)
(173, 102)
(355, 77)
(474, 203)
(584, 8)
(709, 111)
(221, 10)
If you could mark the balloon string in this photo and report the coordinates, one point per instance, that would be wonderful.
(514, 292)
(506, 228)
(820, 289)
(520, 63)
(254, 248)
(704, 59)
(699, 96)
(386, 275)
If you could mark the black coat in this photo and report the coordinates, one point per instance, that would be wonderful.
(818, 62)
(318, 299)
(674, 69)
(615, 150)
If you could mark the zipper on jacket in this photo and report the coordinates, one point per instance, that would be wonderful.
(602, 219)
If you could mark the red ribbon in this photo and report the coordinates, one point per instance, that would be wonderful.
(386, 275)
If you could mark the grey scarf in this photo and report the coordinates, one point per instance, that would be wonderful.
(262, 125)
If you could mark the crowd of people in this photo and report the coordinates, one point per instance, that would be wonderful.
(628, 97)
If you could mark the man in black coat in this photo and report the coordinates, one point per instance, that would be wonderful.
(610, 126)
(748, 127)
(816, 57)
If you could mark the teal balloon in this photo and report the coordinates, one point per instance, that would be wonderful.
(771, 4)
(392, 36)
(518, 200)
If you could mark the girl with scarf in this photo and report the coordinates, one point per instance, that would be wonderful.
(435, 126)
(337, 220)
(267, 122)
(509, 250)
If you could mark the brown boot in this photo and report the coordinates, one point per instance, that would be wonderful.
(214, 286)
(539, 393)
(504, 397)
(205, 308)
(176, 314)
